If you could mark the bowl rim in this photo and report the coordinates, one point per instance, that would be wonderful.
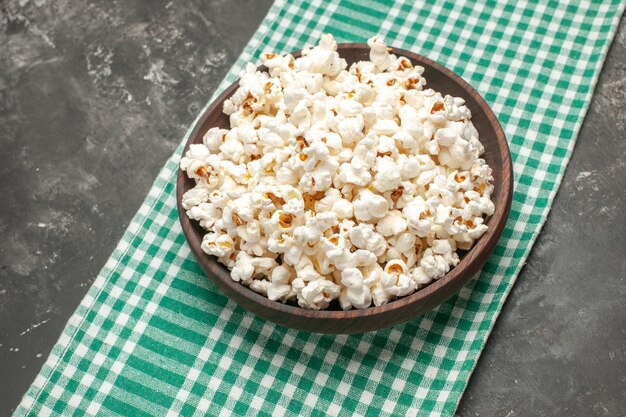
(481, 249)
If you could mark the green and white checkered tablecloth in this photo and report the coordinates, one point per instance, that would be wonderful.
(154, 337)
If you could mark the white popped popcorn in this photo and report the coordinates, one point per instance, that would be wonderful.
(355, 292)
(338, 185)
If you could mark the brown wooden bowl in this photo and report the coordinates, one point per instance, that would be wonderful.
(357, 321)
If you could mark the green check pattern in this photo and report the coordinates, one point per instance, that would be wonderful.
(154, 337)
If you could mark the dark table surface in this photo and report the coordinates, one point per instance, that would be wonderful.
(88, 87)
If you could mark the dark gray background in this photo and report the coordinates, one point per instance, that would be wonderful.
(95, 95)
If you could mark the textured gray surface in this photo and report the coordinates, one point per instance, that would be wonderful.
(559, 345)
(87, 87)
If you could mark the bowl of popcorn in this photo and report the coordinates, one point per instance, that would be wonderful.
(345, 187)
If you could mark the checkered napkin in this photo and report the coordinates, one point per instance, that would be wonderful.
(154, 337)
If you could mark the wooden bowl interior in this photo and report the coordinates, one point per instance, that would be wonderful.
(335, 320)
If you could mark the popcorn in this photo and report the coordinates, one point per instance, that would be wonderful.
(434, 266)
(343, 208)
(418, 216)
(363, 236)
(300, 116)
(279, 287)
(405, 242)
(409, 122)
(441, 246)
(356, 293)
(365, 151)
(194, 197)
(419, 276)
(408, 167)
(392, 224)
(251, 239)
(205, 213)
(213, 138)
(308, 235)
(219, 245)
(316, 153)
(350, 108)
(368, 206)
(351, 129)
(385, 127)
(354, 172)
(387, 175)
(379, 54)
(262, 265)
(324, 59)
(316, 294)
(200, 164)
(242, 271)
(318, 180)
(394, 279)
(260, 285)
(356, 185)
